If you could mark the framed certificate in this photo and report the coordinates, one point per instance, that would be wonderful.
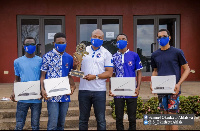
(27, 90)
(57, 86)
(123, 86)
(163, 84)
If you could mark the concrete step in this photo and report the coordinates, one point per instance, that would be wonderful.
(71, 123)
(13, 105)
(72, 111)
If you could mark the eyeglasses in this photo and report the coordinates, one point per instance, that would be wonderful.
(27, 44)
(164, 36)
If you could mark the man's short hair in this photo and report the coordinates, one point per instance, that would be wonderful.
(28, 37)
(59, 35)
(122, 34)
(168, 33)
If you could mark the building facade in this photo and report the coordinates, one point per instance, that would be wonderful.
(139, 20)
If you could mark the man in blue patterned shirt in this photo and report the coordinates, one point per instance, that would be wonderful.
(125, 63)
(57, 63)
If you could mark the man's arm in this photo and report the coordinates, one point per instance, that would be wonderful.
(44, 94)
(107, 74)
(12, 97)
(72, 84)
(110, 93)
(154, 73)
(139, 79)
(183, 77)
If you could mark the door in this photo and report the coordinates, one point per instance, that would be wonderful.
(145, 36)
(110, 25)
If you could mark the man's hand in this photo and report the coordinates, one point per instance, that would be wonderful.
(44, 94)
(12, 97)
(76, 62)
(151, 87)
(90, 77)
(176, 89)
(137, 91)
(41, 95)
(72, 87)
(111, 94)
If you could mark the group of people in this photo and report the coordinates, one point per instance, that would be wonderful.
(97, 66)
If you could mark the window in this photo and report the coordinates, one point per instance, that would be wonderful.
(110, 25)
(42, 28)
(145, 36)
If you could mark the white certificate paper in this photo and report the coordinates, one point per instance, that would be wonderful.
(123, 86)
(57, 86)
(27, 90)
(163, 84)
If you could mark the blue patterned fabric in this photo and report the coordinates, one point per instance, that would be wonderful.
(126, 67)
(56, 65)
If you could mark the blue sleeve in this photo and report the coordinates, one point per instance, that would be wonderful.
(114, 67)
(153, 63)
(138, 63)
(16, 68)
(45, 63)
(71, 64)
(181, 58)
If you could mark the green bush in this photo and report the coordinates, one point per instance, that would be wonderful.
(188, 105)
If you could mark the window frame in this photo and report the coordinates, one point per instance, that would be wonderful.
(156, 29)
(99, 23)
(41, 19)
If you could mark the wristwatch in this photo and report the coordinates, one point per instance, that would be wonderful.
(97, 77)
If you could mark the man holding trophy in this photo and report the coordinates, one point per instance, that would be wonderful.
(97, 67)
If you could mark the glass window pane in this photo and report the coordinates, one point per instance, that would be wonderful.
(170, 25)
(110, 28)
(145, 40)
(51, 26)
(30, 27)
(87, 26)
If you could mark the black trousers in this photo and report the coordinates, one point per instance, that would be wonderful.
(119, 111)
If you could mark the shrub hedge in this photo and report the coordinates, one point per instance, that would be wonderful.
(188, 105)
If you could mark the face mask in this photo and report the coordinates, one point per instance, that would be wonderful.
(60, 47)
(163, 41)
(30, 49)
(96, 42)
(121, 44)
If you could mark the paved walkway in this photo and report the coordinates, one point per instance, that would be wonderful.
(187, 89)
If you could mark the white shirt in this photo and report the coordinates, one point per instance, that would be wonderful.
(95, 64)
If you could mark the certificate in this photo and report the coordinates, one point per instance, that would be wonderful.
(27, 90)
(57, 86)
(163, 84)
(123, 86)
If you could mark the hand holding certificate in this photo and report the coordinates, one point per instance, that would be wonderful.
(163, 84)
(123, 86)
(27, 90)
(57, 86)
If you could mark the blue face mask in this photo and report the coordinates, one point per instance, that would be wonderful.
(60, 47)
(121, 44)
(96, 42)
(163, 41)
(30, 49)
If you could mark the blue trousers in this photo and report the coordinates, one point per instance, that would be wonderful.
(86, 99)
(21, 113)
(57, 112)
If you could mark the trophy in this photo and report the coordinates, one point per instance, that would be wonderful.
(79, 54)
